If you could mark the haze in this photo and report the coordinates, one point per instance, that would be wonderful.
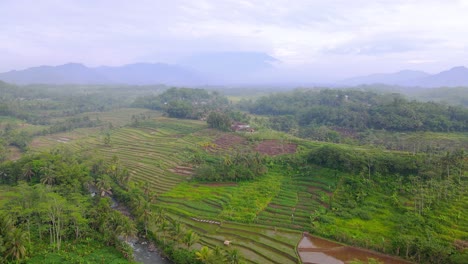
(313, 41)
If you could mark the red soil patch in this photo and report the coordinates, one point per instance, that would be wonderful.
(228, 141)
(14, 153)
(275, 147)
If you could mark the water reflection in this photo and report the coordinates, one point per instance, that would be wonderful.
(317, 250)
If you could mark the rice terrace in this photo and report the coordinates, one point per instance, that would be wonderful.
(168, 175)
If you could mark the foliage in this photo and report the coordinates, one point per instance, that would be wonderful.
(219, 121)
(50, 207)
(184, 102)
(358, 110)
(239, 166)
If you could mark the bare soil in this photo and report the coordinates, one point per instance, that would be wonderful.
(227, 141)
(318, 250)
(275, 147)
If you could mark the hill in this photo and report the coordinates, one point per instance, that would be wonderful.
(457, 76)
(196, 70)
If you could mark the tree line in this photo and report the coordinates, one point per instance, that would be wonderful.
(357, 110)
(184, 102)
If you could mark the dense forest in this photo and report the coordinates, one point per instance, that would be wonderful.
(356, 110)
(184, 102)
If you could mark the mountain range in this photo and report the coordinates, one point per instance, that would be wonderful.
(457, 76)
(214, 69)
(210, 68)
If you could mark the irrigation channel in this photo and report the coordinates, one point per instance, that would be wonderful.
(318, 250)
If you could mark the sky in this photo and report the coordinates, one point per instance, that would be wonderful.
(311, 39)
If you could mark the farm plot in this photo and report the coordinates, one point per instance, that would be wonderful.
(258, 244)
(299, 197)
(150, 152)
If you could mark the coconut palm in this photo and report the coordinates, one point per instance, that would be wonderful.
(205, 255)
(28, 171)
(233, 256)
(145, 214)
(176, 230)
(218, 255)
(15, 244)
(103, 186)
(48, 178)
(125, 227)
(190, 238)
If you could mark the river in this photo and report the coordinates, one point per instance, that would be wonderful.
(144, 251)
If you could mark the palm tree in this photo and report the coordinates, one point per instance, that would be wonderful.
(176, 230)
(233, 256)
(205, 255)
(190, 238)
(49, 177)
(145, 214)
(15, 244)
(125, 227)
(103, 186)
(218, 256)
(163, 228)
(28, 171)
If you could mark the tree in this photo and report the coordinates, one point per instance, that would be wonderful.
(107, 139)
(233, 256)
(190, 238)
(205, 255)
(219, 121)
(103, 186)
(176, 230)
(49, 176)
(16, 244)
(125, 227)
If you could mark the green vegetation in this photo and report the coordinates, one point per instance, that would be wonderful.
(184, 102)
(240, 166)
(48, 212)
(190, 186)
(357, 110)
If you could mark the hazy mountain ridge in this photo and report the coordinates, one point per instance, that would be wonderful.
(224, 68)
(457, 76)
(210, 68)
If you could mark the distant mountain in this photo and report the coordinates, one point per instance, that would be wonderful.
(230, 66)
(398, 78)
(74, 73)
(150, 73)
(200, 69)
(457, 76)
(71, 73)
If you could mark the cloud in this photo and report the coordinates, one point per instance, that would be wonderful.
(298, 32)
(420, 61)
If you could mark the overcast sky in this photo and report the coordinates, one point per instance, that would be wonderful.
(321, 39)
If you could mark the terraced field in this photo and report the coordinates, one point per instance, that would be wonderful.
(299, 197)
(156, 147)
(258, 244)
(261, 218)
(151, 151)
